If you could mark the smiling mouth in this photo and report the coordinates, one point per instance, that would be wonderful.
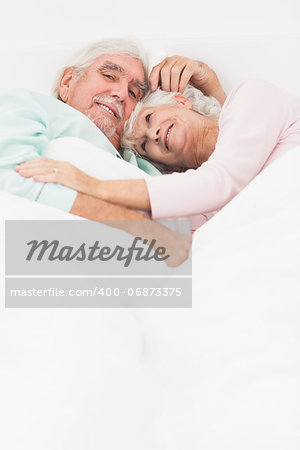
(167, 135)
(106, 108)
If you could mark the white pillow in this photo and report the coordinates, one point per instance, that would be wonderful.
(92, 160)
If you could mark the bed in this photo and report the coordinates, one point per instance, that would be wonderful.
(222, 374)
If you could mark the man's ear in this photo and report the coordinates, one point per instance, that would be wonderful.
(181, 100)
(65, 82)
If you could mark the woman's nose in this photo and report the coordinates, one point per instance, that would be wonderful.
(154, 133)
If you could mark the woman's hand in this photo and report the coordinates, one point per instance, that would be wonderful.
(176, 72)
(129, 193)
(46, 170)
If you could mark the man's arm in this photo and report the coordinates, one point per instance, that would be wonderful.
(96, 209)
(177, 245)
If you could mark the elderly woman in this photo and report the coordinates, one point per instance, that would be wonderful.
(258, 123)
(156, 141)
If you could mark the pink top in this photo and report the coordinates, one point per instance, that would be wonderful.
(258, 123)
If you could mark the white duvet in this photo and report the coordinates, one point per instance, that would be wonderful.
(222, 375)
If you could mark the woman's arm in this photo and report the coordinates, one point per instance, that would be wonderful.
(129, 193)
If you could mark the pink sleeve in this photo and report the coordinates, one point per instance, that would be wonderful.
(252, 119)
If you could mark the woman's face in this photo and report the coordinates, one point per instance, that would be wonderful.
(170, 134)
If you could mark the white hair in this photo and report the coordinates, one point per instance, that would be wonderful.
(207, 106)
(87, 55)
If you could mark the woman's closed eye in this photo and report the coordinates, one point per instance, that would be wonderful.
(143, 145)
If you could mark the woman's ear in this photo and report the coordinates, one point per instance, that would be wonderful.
(181, 100)
(65, 82)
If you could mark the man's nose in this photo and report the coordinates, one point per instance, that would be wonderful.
(120, 90)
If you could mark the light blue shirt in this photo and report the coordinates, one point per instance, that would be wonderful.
(28, 122)
(131, 157)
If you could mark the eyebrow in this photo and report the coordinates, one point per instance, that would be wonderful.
(141, 85)
(111, 66)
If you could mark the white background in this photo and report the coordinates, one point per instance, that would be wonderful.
(233, 362)
(36, 21)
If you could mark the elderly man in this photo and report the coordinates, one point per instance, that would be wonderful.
(98, 90)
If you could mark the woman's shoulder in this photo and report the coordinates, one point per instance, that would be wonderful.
(256, 95)
(257, 90)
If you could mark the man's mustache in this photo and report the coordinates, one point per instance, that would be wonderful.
(112, 103)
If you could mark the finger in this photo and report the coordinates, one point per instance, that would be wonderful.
(37, 162)
(176, 71)
(165, 75)
(32, 171)
(31, 167)
(47, 178)
(154, 77)
(27, 165)
(185, 78)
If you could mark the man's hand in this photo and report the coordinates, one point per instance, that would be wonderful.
(177, 245)
(176, 72)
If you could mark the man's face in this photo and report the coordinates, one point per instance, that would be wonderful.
(106, 92)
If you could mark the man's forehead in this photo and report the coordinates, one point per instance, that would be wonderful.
(125, 64)
(137, 80)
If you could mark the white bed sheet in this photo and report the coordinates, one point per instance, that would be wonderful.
(224, 374)
(229, 369)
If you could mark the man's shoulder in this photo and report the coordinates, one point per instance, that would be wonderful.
(60, 118)
(43, 105)
(23, 94)
(26, 98)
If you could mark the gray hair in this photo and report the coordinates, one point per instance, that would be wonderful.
(207, 106)
(87, 55)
